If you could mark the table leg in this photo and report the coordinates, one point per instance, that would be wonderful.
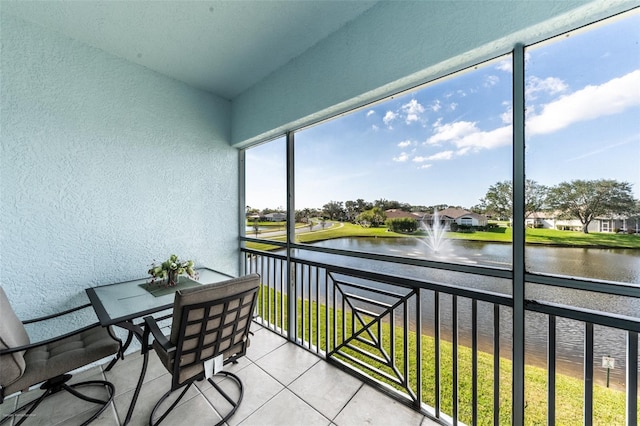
(142, 336)
(136, 393)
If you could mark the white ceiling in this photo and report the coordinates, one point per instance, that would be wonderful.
(223, 47)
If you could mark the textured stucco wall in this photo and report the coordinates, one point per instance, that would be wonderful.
(105, 166)
(394, 46)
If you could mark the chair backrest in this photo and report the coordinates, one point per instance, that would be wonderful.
(12, 335)
(210, 320)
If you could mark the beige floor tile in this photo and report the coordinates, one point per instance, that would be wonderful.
(286, 409)
(326, 388)
(263, 342)
(371, 407)
(287, 363)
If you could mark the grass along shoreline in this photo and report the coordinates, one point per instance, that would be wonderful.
(550, 237)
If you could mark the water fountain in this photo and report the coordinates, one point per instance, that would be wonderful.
(435, 233)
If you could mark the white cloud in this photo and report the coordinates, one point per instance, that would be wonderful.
(401, 158)
(425, 166)
(413, 109)
(551, 85)
(435, 106)
(491, 81)
(591, 102)
(588, 103)
(444, 155)
(419, 159)
(451, 131)
(375, 128)
(370, 113)
(389, 117)
(405, 144)
(453, 106)
(502, 136)
(505, 65)
(465, 134)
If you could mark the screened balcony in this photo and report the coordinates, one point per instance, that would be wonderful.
(126, 136)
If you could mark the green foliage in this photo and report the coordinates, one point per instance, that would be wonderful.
(499, 198)
(588, 199)
(404, 225)
(372, 218)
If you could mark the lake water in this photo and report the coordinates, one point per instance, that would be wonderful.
(621, 265)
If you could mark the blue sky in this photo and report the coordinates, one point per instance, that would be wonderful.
(448, 142)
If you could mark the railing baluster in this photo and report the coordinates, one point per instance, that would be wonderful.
(262, 274)
(344, 320)
(474, 361)
(496, 364)
(327, 343)
(317, 300)
(419, 348)
(303, 318)
(588, 374)
(268, 290)
(335, 315)
(551, 372)
(454, 328)
(632, 378)
(405, 335)
(436, 336)
(309, 310)
(392, 336)
(284, 301)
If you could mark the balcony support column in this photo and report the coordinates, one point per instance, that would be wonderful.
(291, 238)
(518, 235)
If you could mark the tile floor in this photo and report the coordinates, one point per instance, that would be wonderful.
(284, 385)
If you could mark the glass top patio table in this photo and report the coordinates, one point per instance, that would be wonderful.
(125, 301)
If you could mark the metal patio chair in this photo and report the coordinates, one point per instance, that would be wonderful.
(210, 323)
(24, 364)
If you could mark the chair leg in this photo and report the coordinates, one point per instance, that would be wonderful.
(168, 410)
(56, 385)
(234, 403)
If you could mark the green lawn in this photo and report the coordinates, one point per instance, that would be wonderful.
(501, 234)
(609, 404)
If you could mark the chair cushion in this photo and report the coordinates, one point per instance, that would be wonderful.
(12, 335)
(56, 358)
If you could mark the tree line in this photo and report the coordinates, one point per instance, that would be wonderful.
(584, 200)
(579, 199)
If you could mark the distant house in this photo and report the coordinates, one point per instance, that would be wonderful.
(274, 217)
(253, 217)
(446, 217)
(551, 220)
(401, 214)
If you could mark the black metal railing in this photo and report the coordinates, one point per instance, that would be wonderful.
(442, 349)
